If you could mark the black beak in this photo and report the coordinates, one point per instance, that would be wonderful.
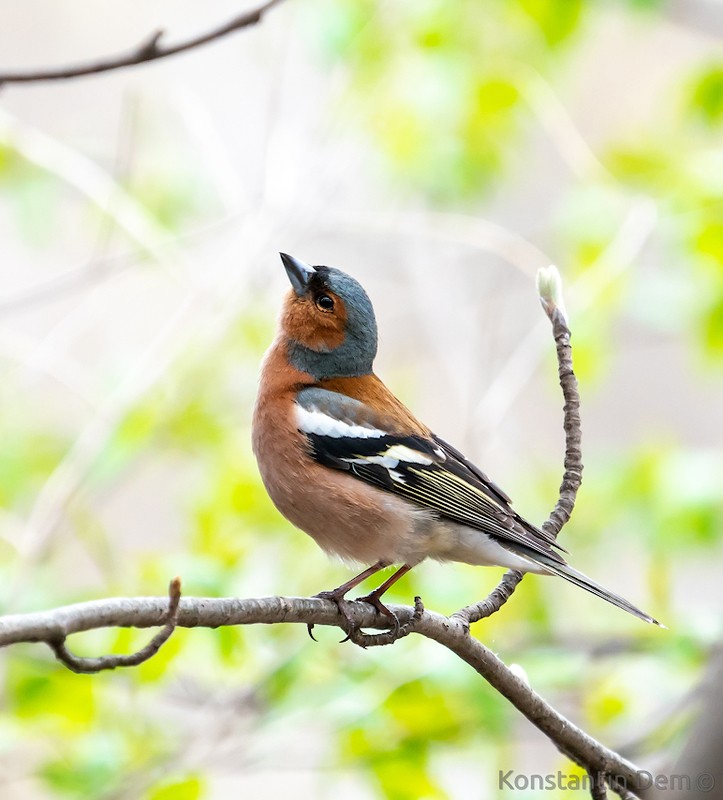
(298, 272)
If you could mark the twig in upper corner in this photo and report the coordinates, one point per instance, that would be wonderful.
(90, 665)
(150, 49)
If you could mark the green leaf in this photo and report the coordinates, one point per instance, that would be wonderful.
(712, 327)
(709, 240)
(49, 695)
(557, 19)
(606, 701)
(189, 788)
(707, 95)
(494, 95)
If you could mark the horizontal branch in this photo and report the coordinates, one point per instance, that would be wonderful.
(150, 49)
(145, 612)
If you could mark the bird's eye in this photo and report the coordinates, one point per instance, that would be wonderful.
(324, 302)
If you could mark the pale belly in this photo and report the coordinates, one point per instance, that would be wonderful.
(364, 524)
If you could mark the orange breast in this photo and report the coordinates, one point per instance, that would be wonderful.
(344, 515)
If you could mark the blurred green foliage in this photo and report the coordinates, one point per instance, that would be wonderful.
(445, 90)
(442, 85)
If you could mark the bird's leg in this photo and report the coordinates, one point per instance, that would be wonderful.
(337, 595)
(374, 598)
(340, 591)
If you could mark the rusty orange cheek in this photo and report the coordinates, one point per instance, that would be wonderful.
(305, 323)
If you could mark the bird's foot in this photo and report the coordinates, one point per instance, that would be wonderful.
(343, 605)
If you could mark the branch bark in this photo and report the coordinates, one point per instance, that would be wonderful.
(144, 612)
(151, 49)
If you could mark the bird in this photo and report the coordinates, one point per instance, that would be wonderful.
(348, 463)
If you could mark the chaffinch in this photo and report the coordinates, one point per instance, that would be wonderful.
(344, 460)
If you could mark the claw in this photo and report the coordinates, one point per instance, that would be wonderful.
(309, 629)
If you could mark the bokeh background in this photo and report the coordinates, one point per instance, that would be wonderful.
(440, 152)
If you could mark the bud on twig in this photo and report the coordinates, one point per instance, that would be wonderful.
(549, 288)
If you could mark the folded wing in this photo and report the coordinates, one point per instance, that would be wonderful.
(345, 434)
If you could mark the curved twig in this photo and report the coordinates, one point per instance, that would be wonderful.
(494, 600)
(98, 664)
(150, 49)
(550, 291)
(549, 288)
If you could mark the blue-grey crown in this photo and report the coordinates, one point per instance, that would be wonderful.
(355, 355)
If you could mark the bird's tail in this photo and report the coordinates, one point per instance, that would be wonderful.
(572, 575)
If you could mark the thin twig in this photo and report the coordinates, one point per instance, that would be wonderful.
(89, 665)
(598, 785)
(494, 600)
(550, 291)
(622, 791)
(572, 477)
(150, 49)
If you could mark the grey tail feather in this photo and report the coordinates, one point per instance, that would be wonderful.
(572, 575)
